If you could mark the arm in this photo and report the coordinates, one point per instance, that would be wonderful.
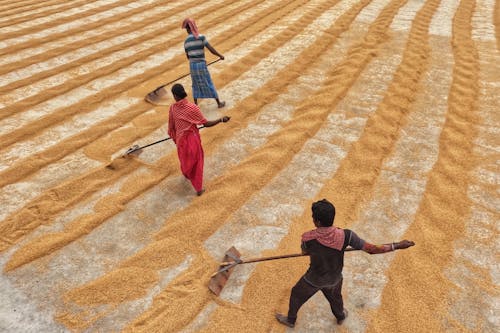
(374, 249)
(171, 126)
(303, 246)
(185, 49)
(214, 51)
(357, 243)
(211, 123)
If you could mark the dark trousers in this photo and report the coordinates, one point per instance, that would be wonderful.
(302, 291)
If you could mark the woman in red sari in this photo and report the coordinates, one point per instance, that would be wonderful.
(183, 120)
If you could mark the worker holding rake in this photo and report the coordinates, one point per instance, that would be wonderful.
(326, 245)
(183, 119)
(194, 46)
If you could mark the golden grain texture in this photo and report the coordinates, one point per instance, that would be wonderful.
(385, 107)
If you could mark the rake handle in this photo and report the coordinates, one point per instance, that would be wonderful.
(273, 258)
(167, 138)
(183, 76)
(153, 143)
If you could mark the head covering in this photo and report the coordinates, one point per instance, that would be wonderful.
(189, 22)
(178, 90)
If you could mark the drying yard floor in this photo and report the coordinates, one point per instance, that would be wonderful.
(388, 108)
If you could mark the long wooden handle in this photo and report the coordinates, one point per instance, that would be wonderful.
(132, 149)
(247, 261)
(183, 76)
(151, 144)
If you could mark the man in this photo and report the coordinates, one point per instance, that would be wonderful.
(326, 245)
(183, 118)
(194, 46)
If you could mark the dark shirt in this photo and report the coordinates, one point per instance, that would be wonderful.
(326, 263)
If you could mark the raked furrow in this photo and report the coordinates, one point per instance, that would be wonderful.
(21, 15)
(14, 30)
(277, 92)
(30, 150)
(269, 33)
(396, 191)
(388, 108)
(16, 220)
(402, 181)
(445, 204)
(37, 162)
(131, 41)
(254, 305)
(136, 113)
(213, 224)
(111, 13)
(14, 133)
(147, 20)
(184, 222)
(496, 22)
(475, 300)
(362, 167)
(141, 28)
(99, 73)
(10, 7)
(239, 147)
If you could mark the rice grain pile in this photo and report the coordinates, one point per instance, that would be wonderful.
(388, 108)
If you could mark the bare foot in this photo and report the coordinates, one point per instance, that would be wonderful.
(340, 321)
(221, 105)
(200, 192)
(284, 320)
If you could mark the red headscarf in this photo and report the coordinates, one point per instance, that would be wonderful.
(192, 26)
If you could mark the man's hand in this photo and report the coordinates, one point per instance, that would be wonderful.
(404, 244)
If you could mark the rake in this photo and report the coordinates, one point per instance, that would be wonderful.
(136, 149)
(232, 258)
(157, 96)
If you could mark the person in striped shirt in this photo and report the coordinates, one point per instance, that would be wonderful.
(194, 46)
(183, 120)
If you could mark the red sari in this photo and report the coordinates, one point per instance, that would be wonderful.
(182, 128)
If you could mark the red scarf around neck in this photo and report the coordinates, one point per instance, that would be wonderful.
(332, 237)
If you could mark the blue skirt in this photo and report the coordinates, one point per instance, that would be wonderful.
(202, 84)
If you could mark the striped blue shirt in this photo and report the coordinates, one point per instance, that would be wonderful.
(195, 48)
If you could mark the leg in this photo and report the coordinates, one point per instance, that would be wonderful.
(191, 158)
(202, 84)
(193, 70)
(197, 179)
(334, 297)
(219, 103)
(301, 292)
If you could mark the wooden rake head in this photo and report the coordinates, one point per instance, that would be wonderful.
(219, 279)
(232, 258)
(135, 150)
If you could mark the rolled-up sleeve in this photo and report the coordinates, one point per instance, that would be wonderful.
(355, 241)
